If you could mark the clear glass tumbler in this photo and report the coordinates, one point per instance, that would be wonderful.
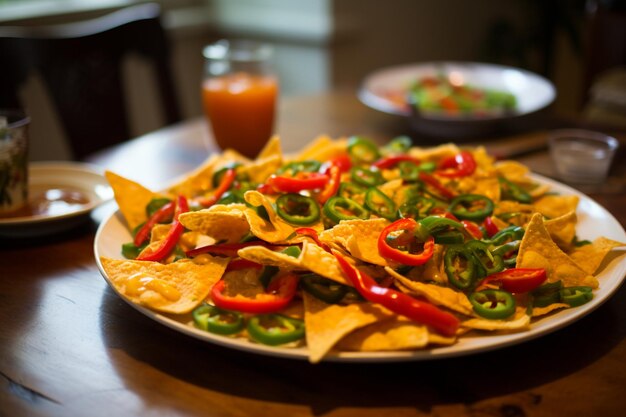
(582, 156)
(239, 93)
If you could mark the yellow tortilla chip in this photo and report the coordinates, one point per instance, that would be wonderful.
(260, 169)
(519, 321)
(266, 256)
(271, 149)
(200, 180)
(359, 238)
(542, 311)
(562, 229)
(538, 250)
(131, 197)
(274, 230)
(317, 260)
(442, 296)
(222, 222)
(322, 148)
(326, 323)
(512, 170)
(394, 334)
(553, 206)
(175, 288)
(589, 257)
(434, 153)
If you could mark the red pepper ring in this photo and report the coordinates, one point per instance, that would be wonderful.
(459, 165)
(490, 227)
(434, 182)
(278, 295)
(405, 258)
(171, 239)
(161, 214)
(331, 188)
(398, 302)
(515, 280)
(225, 184)
(302, 181)
(393, 160)
(312, 233)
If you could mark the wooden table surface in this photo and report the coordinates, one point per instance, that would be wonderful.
(69, 346)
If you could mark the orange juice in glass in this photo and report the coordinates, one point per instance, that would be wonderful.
(239, 94)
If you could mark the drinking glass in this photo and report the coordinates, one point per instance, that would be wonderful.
(239, 94)
(13, 160)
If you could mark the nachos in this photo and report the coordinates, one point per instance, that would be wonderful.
(352, 246)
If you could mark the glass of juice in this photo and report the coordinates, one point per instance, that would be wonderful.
(239, 94)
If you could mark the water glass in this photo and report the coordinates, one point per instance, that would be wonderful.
(13, 160)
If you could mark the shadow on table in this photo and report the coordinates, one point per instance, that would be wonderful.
(328, 386)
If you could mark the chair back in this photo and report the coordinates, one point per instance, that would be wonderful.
(81, 66)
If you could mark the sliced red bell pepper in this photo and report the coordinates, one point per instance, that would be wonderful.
(490, 227)
(278, 295)
(225, 249)
(302, 181)
(515, 280)
(406, 258)
(312, 233)
(331, 188)
(225, 184)
(171, 239)
(434, 182)
(389, 162)
(343, 161)
(398, 302)
(473, 229)
(160, 215)
(459, 165)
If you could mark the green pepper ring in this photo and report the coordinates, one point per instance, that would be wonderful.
(327, 290)
(381, 205)
(288, 329)
(459, 209)
(576, 296)
(216, 320)
(493, 304)
(366, 177)
(464, 279)
(331, 211)
(285, 209)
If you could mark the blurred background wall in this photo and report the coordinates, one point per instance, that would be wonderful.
(328, 44)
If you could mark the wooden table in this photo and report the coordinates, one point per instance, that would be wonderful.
(69, 346)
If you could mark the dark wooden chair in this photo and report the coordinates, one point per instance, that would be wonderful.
(81, 66)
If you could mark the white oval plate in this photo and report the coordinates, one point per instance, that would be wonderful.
(594, 221)
(532, 91)
(68, 175)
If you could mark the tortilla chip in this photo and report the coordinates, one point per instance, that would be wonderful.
(186, 283)
(553, 206)
(322, 148)
(519, 321)
(200, 180)
(261, 169)
(394, 334)
(317, 260)
(562, 229)
(589, 257)
(276, 230)
(266, 256)
(538, 250)
(326, 323)
(442, 296)
(542, 311)
(512, 170)
(131, 197)
(359, 238)
(271, 149)
(222, 222)
(434, 153)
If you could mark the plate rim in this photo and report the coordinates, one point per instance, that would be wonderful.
(374, 101)
(566, 317)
